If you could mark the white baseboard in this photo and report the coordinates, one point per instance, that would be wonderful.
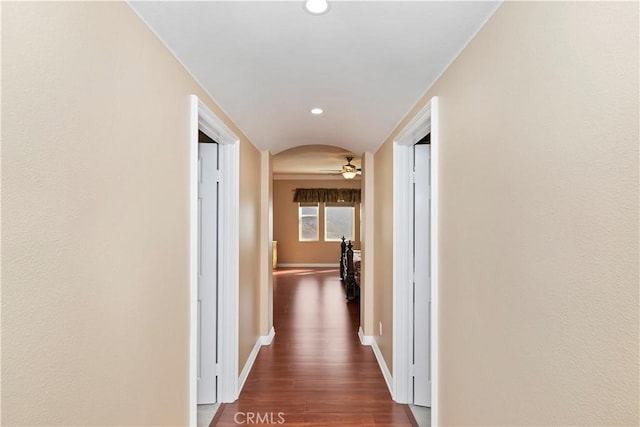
(364, 339)
(268, 339)
(262, 340)
(383, 365)
(310, 265)
(247, 366)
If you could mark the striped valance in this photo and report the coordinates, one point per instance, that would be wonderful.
(327, 195)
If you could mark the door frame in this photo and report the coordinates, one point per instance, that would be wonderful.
(425, 121)
(202, 118)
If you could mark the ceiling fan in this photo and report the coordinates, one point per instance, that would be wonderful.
(348, 171)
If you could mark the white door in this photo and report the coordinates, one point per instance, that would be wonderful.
(207, 271)
(422, 278)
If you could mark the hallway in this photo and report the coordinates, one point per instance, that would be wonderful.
(316, 372)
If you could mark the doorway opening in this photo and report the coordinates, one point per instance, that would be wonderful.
(213, 260)
(415, 270)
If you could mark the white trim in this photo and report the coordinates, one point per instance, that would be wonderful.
(383, 366)
(435, 261)
(193, 263)
(266, 243)
(424, 121)
(364, 339)
(249, 364)
(268, 339)
(228, 242)
(262, 340)
(417, 128)
(309, 265)
(402, 269)
(229, 196)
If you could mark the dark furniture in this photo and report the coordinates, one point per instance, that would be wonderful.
(350, 269)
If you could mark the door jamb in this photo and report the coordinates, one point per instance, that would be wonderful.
(201, 117)
(425, 120)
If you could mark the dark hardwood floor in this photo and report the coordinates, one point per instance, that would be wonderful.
(316, 372)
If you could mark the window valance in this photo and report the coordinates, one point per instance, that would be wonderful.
(327, 195)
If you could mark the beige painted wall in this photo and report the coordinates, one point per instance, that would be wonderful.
(285, 224)
(383, 250)
(95, 220)
(539, 219)
(250, 274)
(367, 237)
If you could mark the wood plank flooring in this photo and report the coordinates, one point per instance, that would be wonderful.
(316, 372)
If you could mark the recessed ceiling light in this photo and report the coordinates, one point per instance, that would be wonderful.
(316, 7)
(316, 111)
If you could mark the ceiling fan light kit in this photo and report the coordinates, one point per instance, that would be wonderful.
(349, 171)
(349, 174)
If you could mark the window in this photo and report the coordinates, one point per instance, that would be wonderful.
(338, 222)
(308, 222)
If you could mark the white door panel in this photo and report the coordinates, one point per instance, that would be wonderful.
(422, 282)
(207, 271)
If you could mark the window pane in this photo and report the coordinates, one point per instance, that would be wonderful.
(308, 223)
(311, 210)
(309, 228)
(338, 223)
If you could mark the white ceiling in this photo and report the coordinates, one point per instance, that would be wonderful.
(266, 64)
